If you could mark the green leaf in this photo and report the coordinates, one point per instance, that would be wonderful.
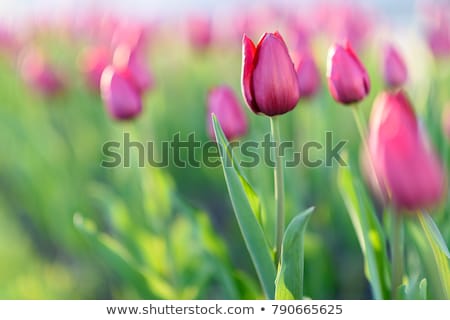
(289, 282)
(369, 232)
(242, 205)
(414, 290)
(439, 250)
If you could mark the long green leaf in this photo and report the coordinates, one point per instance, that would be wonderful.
(440, 250)
(250, 228)
(289, 282)
(368, 230)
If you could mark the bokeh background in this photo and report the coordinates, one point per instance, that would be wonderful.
(71, 229)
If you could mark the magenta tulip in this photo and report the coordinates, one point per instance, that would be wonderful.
(269, 80)
(308, 75)
(405, 165)
(348, 80)
(224, 104)
(394, 68)
(92, 63)
(131, 63)
(40, 75)
(438, 30)
(119, 95)
(199, 31)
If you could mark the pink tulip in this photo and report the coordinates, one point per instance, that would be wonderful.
(394, 68)
(131, 63)
(405, 166)
(438, 30)
(199, 31)
(224, 104)
(348, 80)
(269, 80)
(39, 74)
(119, 95)
(308, 75)
(92, 63)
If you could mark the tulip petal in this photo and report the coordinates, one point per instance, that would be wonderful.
(275, 83)
(248, 56)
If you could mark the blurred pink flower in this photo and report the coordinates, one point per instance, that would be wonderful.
(39, 74)
(438, 30)
(406, 167)
(269, 80)
(308, 75)
(223, 103)
(131, 63)
(92, 63)
(348, 80)
(395, 72)
(119, 95)
(199, 31)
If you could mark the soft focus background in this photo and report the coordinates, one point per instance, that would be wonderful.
(70, 229)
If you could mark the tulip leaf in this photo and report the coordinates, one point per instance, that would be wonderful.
(368, 229)
(243, 205)
(289, 282)
(439, 250)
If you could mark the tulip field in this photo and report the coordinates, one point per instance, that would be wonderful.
(268, 151)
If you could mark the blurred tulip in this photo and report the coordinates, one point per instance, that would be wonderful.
(132, 34)
(308, 75)
(119, 95)
(8, 41)
(438, 30)
(269, 80)
(409, 171)
(224, 104)
(39, 74)
(92, 63)
(199, 31)
(394, 69)
(348, 80)
(131, 63)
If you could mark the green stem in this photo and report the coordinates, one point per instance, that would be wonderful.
(279, 187)
(397, 253)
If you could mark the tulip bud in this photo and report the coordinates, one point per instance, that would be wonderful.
(405, 165)
(394, 68)
(308, 75)
(119, 95)
(348, 80)
(199, 31)
(224, 104)
(92, 63)
(40, 75)
(131, 64)
(269, 80)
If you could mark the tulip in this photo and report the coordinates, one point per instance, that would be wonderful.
(130, 62)
(348, 80)
(39, 74)
(394, 68)
(224, 104)
(269, 80)
(438, 31)
(92, 63)
(199, 31)
(119, 95)
(405, 165)
(308, 75)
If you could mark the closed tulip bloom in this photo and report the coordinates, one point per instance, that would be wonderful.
(132, 64)
(394, 68)
(348, 80)
(92, 63)
(224, 104)
(119, 95)
(269, 80)
(404, 163)
(40, 75)
(199, 31)
(308, 75)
